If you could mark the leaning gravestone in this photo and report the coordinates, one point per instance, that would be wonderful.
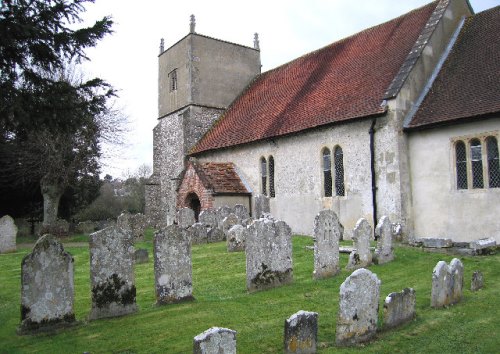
(112, 277)
(215, 340)
(399, 308)
(477, 281)
(47, 288)
(301, 333)
(236, 238)
(198, 233)
(8, 232)
(361, 256)
(241, 211)
(228, 222)
(268, 250)
(260, 206)
(358, 308)
(185, 218)
(383, 232)
(326, 244)
(173, 266)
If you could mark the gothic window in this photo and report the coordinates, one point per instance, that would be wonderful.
(339, 171)
(263, 174)
(461, 162)
(493, 162)
(272, 193)
(476, 157)
(172, 77)
(327, 172)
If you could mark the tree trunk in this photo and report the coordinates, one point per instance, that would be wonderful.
(52, 190)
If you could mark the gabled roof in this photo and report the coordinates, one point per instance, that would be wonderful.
(468, 84)
(345, 80)
(220, 177)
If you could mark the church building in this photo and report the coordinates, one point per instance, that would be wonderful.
(401, 119)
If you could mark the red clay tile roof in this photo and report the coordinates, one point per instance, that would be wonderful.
(220, 177)
(343, 81)
(468, 84)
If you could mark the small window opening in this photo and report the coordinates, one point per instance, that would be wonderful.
(493, 162)
(476, 163)
(327, 172)
(461, 161)
(263, 173)
(339, 171)
(173, 80)
(272, 193)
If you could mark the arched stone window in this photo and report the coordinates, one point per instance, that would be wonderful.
(339, 171)
(327, 172)
(272, 193)
(476, 157)
(461, 164)
(263, 174)
(493, 162)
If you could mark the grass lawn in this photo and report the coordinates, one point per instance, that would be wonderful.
(472, 326)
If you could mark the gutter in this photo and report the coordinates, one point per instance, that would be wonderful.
(372, 168)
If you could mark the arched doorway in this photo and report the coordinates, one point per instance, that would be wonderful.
(193, 202)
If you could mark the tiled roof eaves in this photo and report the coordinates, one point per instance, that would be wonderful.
(449, 122)
(416, 51)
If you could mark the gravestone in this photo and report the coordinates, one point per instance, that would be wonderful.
(185, 218)
(477, 281)
(215, 234)
(326, 244)
(85, 227)
(138, 224)
(383, 233)
(361, 256)
(173, 266)
(215, 340)
(457, 280)
(208, 218)
(141, 256)
(260, 206)
(112, 277)
(441, 285)
(123, 221)
(358, 308)
(241, 211)
(228, 222)
(236, 238)
(301, 333)
(247, 222)
(399, 308)
(8, 233)
(268, 250)
(47, 288)
(198, 233)
(222, 213)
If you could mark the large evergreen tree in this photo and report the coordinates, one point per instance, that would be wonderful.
(50, 125)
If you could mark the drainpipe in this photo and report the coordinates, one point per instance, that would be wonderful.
(372, 167)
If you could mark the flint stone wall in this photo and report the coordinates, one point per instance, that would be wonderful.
(47, 287)
(383, 233)
(301, 333)
(361, 256)
(326, 244)
(215, 340)
(8, 232)
(268, 250)
(399, 308)
(358, 308)
(173, 266)
(112, 277)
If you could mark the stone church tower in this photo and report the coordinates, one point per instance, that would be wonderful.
(198, 78)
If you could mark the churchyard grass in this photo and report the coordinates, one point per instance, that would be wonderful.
(222, 300)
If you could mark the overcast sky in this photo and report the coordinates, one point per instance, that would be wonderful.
(128, 59)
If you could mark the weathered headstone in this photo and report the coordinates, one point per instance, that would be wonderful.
(361, 256)
(358, 308)
(123, 221)
(86, 227)
(241, 211)
(138, 224)
(260, 206)
(47, 288)
(215, 234)
(435, 242)
(483, 246)
(173, 266)
(301, 333)
(112, 277)
(185, 218)
(141, 256)
(383, 233)
(399, 308)
(228, 222)
(8, 233)
(477, 281)
(236, 238)
(268, 250)
(208, 218)
(198, 233)
(215, 340)
(326, 244)
(247, 222)
(447, 283)
(222, 213)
